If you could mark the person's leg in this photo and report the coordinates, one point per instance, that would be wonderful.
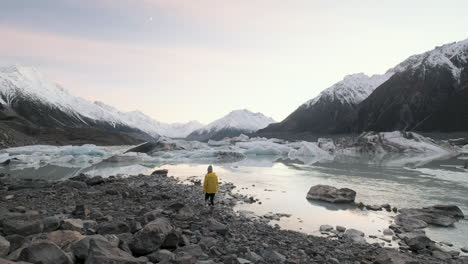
(212, 199)
(206, 197)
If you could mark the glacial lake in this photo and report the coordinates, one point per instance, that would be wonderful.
(282, 185)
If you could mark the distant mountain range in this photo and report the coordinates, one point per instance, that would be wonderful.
(34, 110)
(231, 125)
(426, 92)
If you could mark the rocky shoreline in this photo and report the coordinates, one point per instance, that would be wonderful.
(158, 219)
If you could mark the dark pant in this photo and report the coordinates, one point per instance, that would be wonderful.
(211, 196)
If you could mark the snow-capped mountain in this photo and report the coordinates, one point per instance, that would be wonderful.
(430, 94)
(337, 108)
(149, 125)
(29, 95)
(233, 124)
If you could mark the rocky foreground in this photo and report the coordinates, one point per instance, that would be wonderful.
(156, 219)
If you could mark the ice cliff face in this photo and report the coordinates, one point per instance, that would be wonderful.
(27, 84)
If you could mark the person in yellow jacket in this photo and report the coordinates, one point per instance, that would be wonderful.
(210, 185)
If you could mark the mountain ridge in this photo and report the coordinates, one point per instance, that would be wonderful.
(233, 124)
(345, 106)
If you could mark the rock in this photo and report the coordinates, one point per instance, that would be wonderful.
(162, 255)
(73, 225)
(216, 226)
(184, 258)
(152, 215)
(207, 242)
(392, 256)
(185, 213)
(243, 261)
(440, 215)
(102, 252)
(113, 227)
(464, 249)
(171, 241)
(374, 207)
(72, 184)
(420, 242)
(409, 223)
(51, 223)
(388, 232)
(22, 227)
(19, 209)
(331, 194)
(387, 207)
(64, 238)
(340, 229)
(254, 257)
(82, 211)
(4, 247)
(193, 250)
(355, 235)
(441, 255)
(44, 252)
(151, 237)
(96, 180)
(16, 241)
(162, 172)
(80, 249)
(4, 261)
(272, 256)
(447, 210)
(326, 228)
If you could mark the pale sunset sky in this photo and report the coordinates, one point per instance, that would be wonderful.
(181, 60)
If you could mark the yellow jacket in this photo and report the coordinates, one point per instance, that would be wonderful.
(210, 184)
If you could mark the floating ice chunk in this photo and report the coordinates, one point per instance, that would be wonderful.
(399, 142)
(326, 144)
(215, 143)
(88, 150)
(309, 153)
(263, 148)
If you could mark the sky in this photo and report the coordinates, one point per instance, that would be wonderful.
(181, 60)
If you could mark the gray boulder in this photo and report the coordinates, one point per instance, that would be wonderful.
(151, 237)
(16, 241)
(162, 255)
(51, 223)
(409, 223)
(271, 256)
(73, 225)
(64, 238)
(102, 252)
(114, 227)
(439, 215)
(214, 225)
(22, 227)
(80, 248)
(418, 243)
(392, 256)
(44, 252)
(326, 228)
(331, 194)
(4, 247)
(355, 235)
(72, 184)
(193, 250)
